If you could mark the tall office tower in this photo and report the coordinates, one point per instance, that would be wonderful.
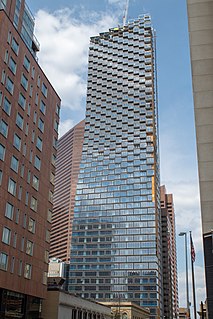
(29, 119)
(116, 242)
(169, 256)
(69, 151)
(200, 16)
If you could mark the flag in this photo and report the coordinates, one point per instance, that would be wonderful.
(192, 249)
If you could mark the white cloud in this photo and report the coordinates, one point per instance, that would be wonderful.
(65, 126)
(64, 51)
(64, 55)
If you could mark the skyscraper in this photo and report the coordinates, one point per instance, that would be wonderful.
(28, 132)
(69, 150)
(169, 256)
(116, 241)
(200, 17)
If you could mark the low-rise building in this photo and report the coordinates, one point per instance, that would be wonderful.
(60, 305)
(127, 310)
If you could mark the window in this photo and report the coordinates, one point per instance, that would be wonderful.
(37, 163)
(33, 203)
(3, 261)
(22, 170)
(26, 63)
(20, 268)
(54, 142)
(12, 65)
(42, 107)
(14, 240)
(49, 216)
(31, 91)
(31, 225)
(52, 178)
(24, 151)
(12, 265)
(35, 117)
(39, 81)
(19, 192)
(2, 152)
(57, 109)
(6, 56)
(39, 143)
(19, 121)
(46, 256)
(35, 182)
(22, 243)
(56, 126)
(17, 216)
(15, 46)
(24, 82)
(9, 37)
(44, 89)
(22, 101)
(36, 99)
(33, 72)
(24, 220)
(26, 198)
(27, 129)
(1, 174)
(53, 159)
(7, 105)
(9, 211)
(41, 125)
(14, 164)
(3, 128)
(47, 236)
(28, 176)
(12, 186)
(45, 278)
(17, 142)
(6, 235)
(27, 271)
(50, 196)
(3, 76)
(28, 109)
(9, 85)
(29, 248)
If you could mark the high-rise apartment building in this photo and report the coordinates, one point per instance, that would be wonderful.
(69, 150)
(116, 239)
(200, 16)
(169, 256)
(29, 116)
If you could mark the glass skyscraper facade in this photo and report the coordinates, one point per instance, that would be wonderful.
(116, 240)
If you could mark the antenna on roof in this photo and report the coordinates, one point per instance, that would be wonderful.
(125, 12)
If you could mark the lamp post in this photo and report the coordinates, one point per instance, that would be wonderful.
(187, 281)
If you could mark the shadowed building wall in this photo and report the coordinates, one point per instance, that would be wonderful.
(29, 116)
(200, 17)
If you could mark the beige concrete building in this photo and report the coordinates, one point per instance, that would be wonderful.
(200, 16)
(183, 314)
(62, 305)
(127, 310)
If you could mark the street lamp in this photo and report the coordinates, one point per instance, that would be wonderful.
(187, 282)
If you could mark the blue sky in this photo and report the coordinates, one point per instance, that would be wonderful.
(63, 29)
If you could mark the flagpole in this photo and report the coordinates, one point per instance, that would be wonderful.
(193, 276)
